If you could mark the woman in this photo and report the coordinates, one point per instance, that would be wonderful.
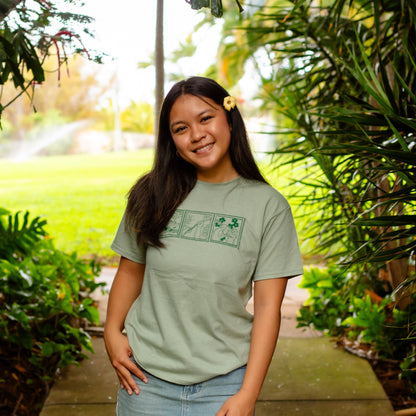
(197, 231)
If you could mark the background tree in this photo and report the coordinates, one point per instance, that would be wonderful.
(159, 62)
(28, 32)
(76, 98)
(138, 117)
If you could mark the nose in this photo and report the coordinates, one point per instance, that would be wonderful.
(198, 133)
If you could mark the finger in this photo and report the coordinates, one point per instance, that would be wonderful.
(133, 368)
(222, 412)
(137, 372)
(127, 382)
(127, 363)
(126, 379)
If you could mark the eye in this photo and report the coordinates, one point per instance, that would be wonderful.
(205, 118)
(179, 129)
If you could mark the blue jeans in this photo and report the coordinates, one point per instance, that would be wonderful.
(161, 398)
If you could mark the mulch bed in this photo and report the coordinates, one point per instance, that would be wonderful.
(398, 391)
(22, 392)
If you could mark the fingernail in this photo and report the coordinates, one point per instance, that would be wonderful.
(136, 391)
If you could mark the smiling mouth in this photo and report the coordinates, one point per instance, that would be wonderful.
(204, 149)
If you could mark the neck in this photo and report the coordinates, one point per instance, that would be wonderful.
(219, 177)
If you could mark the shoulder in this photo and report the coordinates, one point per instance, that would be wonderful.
(263, 194)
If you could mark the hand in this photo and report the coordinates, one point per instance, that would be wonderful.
(119, 352)
(240, 404)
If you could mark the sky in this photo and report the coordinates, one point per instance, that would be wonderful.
(126, 33)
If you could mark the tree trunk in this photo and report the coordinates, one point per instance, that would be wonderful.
(159, 63)
(397, 270)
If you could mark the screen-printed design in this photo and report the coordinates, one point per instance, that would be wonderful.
(206, 226)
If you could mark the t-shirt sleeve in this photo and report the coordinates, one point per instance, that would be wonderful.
(125, 244)
(279, 254)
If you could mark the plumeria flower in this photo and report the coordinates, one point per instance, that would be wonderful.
(229, 103)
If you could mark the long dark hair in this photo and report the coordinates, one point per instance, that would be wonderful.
(155, 197)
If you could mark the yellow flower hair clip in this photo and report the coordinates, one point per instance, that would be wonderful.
(229, 103)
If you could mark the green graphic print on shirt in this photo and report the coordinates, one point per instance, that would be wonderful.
(206, 226)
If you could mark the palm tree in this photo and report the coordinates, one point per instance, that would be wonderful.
(159, 63)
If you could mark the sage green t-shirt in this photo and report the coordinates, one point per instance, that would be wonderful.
(190, 323)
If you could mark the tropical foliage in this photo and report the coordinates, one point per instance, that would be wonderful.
(45, 302)
(348, 89)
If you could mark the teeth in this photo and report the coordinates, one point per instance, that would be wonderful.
(203, 148)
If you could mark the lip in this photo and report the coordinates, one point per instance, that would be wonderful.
(204, 149)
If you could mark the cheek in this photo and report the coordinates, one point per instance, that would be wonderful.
(225, 135)
(182, 148)
(224, 130)
(179, 144)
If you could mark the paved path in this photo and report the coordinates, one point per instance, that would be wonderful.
(307, 377)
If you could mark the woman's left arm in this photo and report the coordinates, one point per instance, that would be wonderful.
(268, 297)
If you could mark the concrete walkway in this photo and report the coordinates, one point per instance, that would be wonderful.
(307, 377)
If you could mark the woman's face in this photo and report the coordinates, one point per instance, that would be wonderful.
(202, 136)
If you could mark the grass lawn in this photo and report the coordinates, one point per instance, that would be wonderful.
(81, 196)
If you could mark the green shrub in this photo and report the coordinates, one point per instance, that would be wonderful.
(45, 303)
(17, 239)
(342, 307)
(325, 309)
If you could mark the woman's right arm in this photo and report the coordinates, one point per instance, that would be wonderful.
(126, 287)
